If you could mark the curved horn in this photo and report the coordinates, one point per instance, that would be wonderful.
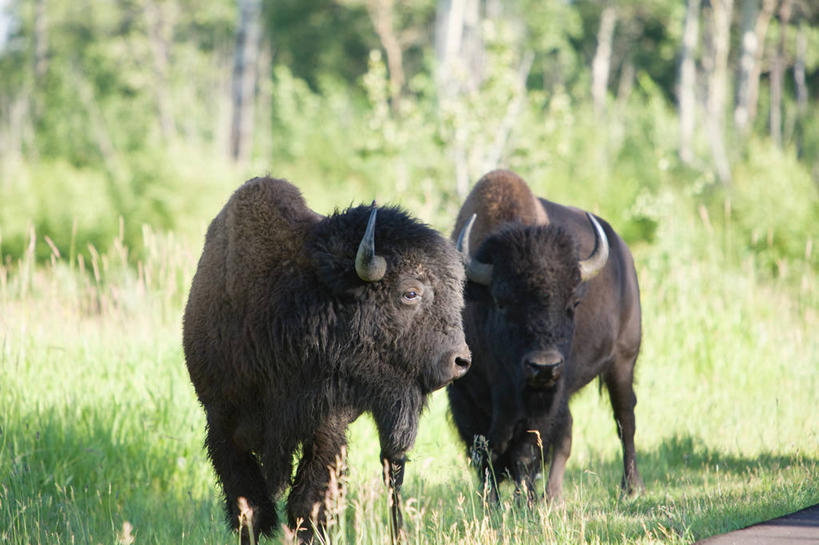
(593, 264)
(369, 266)
(462, 245)
(476, 271)
(479, 272)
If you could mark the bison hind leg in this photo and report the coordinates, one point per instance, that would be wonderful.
(620, 384)
(239, 473)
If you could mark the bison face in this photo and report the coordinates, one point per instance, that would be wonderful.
(399, 286)
(429, 340)
(525, 315)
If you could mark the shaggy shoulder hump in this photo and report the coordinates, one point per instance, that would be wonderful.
(264, 225)
(499, 197)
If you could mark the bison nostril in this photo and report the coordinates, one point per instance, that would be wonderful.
(462, 362)
(543, 367)
(540, 365)
(542, 359)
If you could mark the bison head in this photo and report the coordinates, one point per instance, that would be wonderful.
(400, 286)
(526, 282)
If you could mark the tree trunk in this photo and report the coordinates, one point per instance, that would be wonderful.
(382, 13)
(602, 58)
(719, 34)
(799, 70)
(687, 92)
(778, 74)
(458, 46)
(159, 36)
(626, 83)
(495, 152)
(761, 30)
(245, 62)
(459, 52)
(750, 44)
(40, 40)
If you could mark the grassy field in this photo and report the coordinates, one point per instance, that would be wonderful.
(101, 434)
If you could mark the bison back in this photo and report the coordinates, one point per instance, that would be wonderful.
(253, 251)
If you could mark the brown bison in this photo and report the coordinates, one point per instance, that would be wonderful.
(541, 324)
(296, 324)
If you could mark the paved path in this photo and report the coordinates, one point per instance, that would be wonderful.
(800, 528)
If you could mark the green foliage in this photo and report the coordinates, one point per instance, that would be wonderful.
(772, 180)
(86, 145)
(321, 38)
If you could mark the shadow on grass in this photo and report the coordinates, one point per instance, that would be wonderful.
(692, 491)
(77, 474)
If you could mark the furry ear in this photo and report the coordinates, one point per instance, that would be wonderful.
(581, 289)
(332, 248)
(336, 270)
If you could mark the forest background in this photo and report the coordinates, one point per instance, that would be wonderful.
(692, 126)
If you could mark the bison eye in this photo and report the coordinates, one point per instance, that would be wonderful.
(411, 296)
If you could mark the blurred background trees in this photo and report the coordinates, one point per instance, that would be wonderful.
(153, 110)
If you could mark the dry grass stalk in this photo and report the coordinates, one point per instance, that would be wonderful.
(245, 519)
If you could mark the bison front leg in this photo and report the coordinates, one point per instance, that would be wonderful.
(494, 467)
(526, 463)
(397, 427)
(561, 450)
(317, 487)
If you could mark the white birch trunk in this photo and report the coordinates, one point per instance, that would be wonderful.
(778, 74)
(159, 36)
(459, 52)
(601, 65)
(749, 44)
(245, 62)
(382, 13)
(799, 70)
(687, 97)
(761, 30)
(40, 39)
(720, 35)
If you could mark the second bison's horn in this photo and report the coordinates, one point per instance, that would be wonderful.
(476, 271)
(369, 266)
(593, 264)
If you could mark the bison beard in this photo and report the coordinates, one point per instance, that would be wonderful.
(298, 323)
(541, 324)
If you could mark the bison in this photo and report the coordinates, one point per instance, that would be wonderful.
(541, 324)
(298, 323)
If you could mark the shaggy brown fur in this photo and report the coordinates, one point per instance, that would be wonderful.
(499, 197)
(286, 344)
(534, 343)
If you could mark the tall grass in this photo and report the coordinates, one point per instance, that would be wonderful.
(101, 435)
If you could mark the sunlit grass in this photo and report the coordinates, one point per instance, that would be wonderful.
(99, 425)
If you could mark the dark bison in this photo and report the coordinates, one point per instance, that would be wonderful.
(541, 324)
(297, 323)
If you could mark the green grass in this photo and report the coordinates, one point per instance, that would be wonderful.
(99, 424)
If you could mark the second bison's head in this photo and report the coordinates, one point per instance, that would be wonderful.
(525, 284)
(396, 290)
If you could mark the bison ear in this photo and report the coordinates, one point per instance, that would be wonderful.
(580, 290)
(334, 271)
